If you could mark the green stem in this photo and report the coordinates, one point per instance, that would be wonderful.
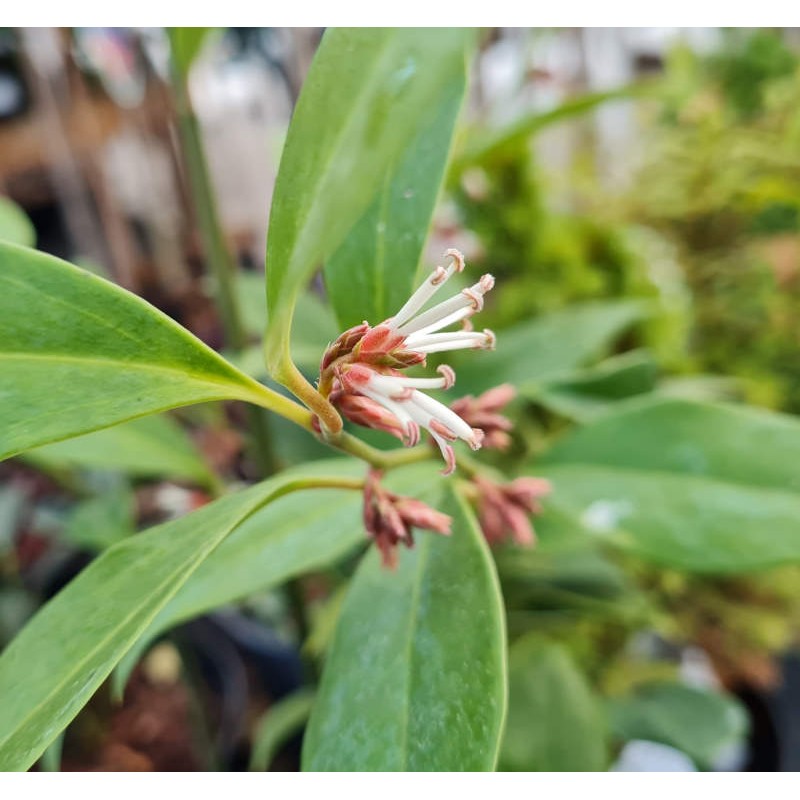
(216, 251)
(294, 380)
(267, 398)
(381, 459)
(217, 254)
(51, 758)
(323, 482)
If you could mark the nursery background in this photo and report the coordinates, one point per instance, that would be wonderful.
(636, 195)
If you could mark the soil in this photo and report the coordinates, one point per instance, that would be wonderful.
(150, 732)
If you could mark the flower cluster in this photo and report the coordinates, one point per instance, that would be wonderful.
(389, 518)
(504, 510)
(484, 412)
(361, 372)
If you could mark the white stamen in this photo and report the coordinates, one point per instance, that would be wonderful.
(464, 304)
(413, 409)
(456, 303)
(412, 434)
(433, 409)
(448, 454)
(394, 386)
(418, 407)
(466, 310)
(455, 340)
(448, 374)
(392, 407)
(424, 293)
(416, 332)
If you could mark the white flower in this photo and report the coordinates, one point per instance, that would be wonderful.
(401, 396)
(419, 330)
(366, 362)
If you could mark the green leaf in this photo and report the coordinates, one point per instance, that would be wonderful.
(292, 536)
(102, 521)
(79, 353)
(568, 576)
(567, 568)
(58, 660)
(186, 44)
(296, 534)
(372, 273)
(282, 721)
(368, 93)
(709, 388)
(549, 347)
(315, 326)
(700, 723)
(554, 721)
(483, 146)
(146, 447)
(324, 621)
(415, 679)
(15, 226)
(590, 393)
(705, 488)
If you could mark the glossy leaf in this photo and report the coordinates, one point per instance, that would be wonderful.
(15, 226)
(78, 353)
(702, 724)
(371, 275)
(548, 347)
(367, 95)
(688, 485)
(54, 665)
(282, 720)
(146, 447)
(590, 393)
(555, 723)
(315, 326)
(293, 535)
(415, 679)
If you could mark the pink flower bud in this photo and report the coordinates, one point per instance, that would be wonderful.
(343, 345)
(389, 518)
(361, 372)
(504, 510)
(482, 412)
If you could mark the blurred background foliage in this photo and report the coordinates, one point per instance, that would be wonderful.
(637, 195)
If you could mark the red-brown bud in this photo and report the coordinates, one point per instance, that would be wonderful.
(343, 345)
(482, 412)
(504, 510)
(389, 518)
